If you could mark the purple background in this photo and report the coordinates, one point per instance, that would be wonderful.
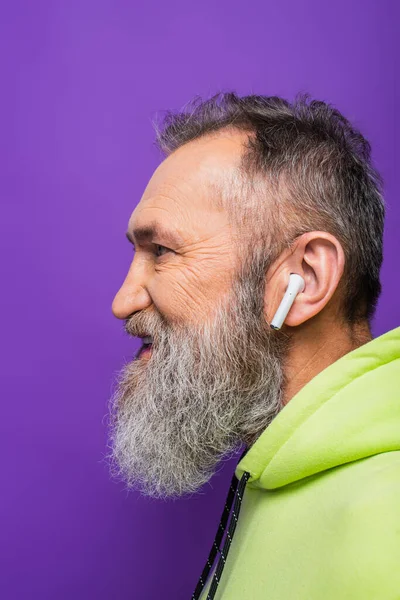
(80, 83)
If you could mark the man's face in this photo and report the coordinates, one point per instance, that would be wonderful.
(212, 379)
(182, 271)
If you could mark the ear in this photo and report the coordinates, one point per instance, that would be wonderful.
(319, 258)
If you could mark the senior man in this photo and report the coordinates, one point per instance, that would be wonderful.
(253, 189)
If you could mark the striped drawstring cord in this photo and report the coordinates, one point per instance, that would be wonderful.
(235, 496)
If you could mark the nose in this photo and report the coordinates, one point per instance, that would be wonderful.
(131, 297)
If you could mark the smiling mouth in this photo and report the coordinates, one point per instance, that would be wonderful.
(144, 351)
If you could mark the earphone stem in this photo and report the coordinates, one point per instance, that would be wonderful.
(295, 286)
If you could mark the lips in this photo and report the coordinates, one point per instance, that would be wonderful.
(145, 351)
(146, 347)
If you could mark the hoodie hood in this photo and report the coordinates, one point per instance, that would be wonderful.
(349, 411)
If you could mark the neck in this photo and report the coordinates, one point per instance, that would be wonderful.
(314, 346)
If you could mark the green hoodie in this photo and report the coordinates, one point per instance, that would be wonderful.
(320, 517)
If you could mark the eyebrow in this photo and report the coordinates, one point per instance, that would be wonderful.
(154, 231)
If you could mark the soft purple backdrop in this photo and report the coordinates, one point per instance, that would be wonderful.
(81, 81)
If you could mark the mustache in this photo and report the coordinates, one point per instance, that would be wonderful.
(141, 324)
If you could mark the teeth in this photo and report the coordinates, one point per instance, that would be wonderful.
(148, 339)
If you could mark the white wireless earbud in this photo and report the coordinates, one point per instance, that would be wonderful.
(296, 285)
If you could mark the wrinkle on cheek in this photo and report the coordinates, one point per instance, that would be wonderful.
(188, 289)
(211, 271)
(184, 291)
(190, 295)
(189, 284)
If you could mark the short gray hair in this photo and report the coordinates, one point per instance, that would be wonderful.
(321, 166)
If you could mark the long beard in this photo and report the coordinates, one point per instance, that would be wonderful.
(203, 393)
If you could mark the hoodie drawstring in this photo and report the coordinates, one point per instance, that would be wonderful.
(235, 496)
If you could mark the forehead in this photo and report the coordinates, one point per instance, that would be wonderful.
(182, 192)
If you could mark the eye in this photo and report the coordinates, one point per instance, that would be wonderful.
(160, 250)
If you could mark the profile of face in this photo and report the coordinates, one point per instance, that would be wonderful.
(212, 378)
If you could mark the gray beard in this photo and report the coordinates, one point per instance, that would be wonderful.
(204, 392)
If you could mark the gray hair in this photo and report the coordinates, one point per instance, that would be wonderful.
(315, 170)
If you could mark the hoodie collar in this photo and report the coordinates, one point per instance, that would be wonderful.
(349, 411)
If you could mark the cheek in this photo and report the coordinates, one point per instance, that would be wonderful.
(189, 294)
